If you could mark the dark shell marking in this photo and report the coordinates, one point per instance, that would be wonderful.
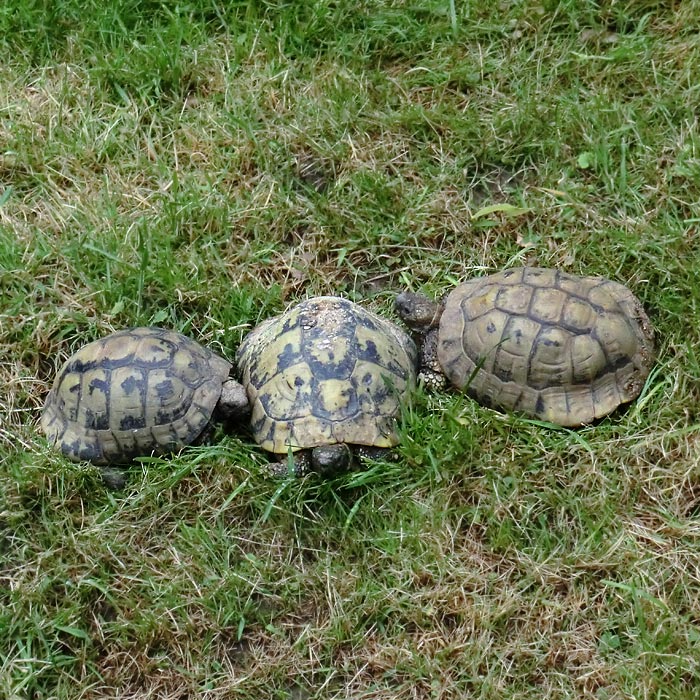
(134, 393)
(555, 346)
(327, 371)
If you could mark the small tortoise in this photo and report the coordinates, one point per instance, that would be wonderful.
(138, 392)
(325, 380)
(551, 345)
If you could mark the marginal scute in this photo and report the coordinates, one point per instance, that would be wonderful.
(326, 372)
(134, 393)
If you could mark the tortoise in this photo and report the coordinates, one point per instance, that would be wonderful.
(138, 392)
(325, 381)
(551, 345)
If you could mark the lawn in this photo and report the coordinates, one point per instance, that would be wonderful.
(203, 165)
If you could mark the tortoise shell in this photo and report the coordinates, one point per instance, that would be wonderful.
(555, 346)
(327, 371)
(133, 393)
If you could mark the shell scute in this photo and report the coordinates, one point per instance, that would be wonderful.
(577, 315)
(511, 299)
(547, 305)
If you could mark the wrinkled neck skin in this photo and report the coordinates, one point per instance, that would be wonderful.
(422, 316)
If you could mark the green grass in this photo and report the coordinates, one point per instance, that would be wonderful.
(202, 165)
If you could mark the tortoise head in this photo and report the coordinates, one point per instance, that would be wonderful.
(418, 312)
(233, 403)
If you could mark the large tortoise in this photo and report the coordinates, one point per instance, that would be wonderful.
(325, 382)
(551, 345)
(135, 393)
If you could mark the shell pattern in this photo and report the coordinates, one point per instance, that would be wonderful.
(327, 371)
(555, 346)
(133, 393)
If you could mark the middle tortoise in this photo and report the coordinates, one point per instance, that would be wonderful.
(325, 380)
